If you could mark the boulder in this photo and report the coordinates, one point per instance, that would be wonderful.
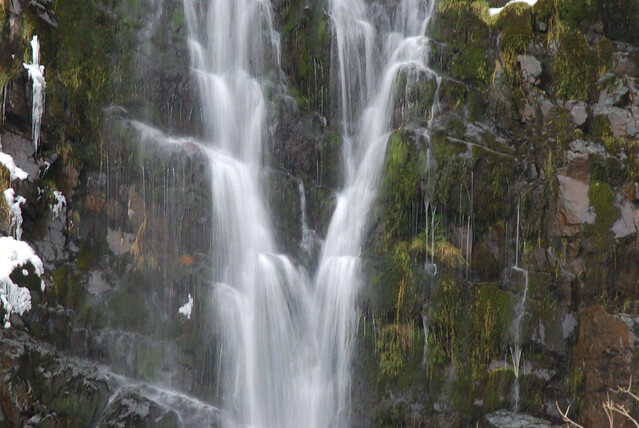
(578, 112)
(510, 419)
(573, 206)
(530, 68)
(603, 354)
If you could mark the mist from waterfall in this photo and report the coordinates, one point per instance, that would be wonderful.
(285, 354)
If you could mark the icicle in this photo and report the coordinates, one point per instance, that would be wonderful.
(36, 76)
(4, 103)
(15, 212)
(187, 308)
(517, 236)
(61, 203)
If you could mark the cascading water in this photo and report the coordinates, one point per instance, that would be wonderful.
(368, 94)
(260, 298)
(285, 353)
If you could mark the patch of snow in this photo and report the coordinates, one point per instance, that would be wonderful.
(15, 212)
(187, 308)
(496, 10)
(36, 75)
(14, 171)
(60, 204)
(14, 254)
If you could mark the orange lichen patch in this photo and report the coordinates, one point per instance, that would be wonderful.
(186, 260)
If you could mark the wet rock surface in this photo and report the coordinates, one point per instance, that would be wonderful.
(531, 159)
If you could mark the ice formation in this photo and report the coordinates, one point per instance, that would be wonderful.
(13, 298)
(36, 75)
(60, 204)
(187, 308)
(15, 211)
(10, 165)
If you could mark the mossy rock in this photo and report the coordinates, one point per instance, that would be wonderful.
(306, 43)
(544, 10)
(461, 25)
(127, 310)
(446, 314)
(496, 388)
(491, 319)
(414, 92)
(602, 198)
(443, 147)
(492, 171)
(515, 25)
(621, 19)
(577, 13)
(401, 184)
(575, 66)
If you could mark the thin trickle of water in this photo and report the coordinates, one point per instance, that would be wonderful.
(516, 353)
(308, 236)
(517, 236)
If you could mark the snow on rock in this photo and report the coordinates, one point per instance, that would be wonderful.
(36, 75)
(187, 308)
(10, 165)
(495, 10)
(13, 298)
(15, 211)
(60, 204)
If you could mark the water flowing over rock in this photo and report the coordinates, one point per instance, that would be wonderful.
(291, 213)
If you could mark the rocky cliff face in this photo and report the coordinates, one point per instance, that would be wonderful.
(523, 190)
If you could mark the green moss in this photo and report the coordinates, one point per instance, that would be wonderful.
(621, 19)
(401, 185)
(602, 198)
(127, 310)
(453, 93)
(306, 41)
(544, 10)
(5, 183)
(329, 160)
(577, 13)
(605, 49)
(414, 93)
(445, 319)
(462, 27)
(67, 289)
(515, 26)
(574, 69)
(492, 171)
(444, 148)
(496, 388)
(491, 317)
(148, 361)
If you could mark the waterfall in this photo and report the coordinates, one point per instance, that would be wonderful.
(286, 343)
(366, 102)
(260, 299)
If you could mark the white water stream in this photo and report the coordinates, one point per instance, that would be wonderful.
(287, 341)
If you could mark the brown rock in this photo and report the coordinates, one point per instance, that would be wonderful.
(573, 206)
(603, 353)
